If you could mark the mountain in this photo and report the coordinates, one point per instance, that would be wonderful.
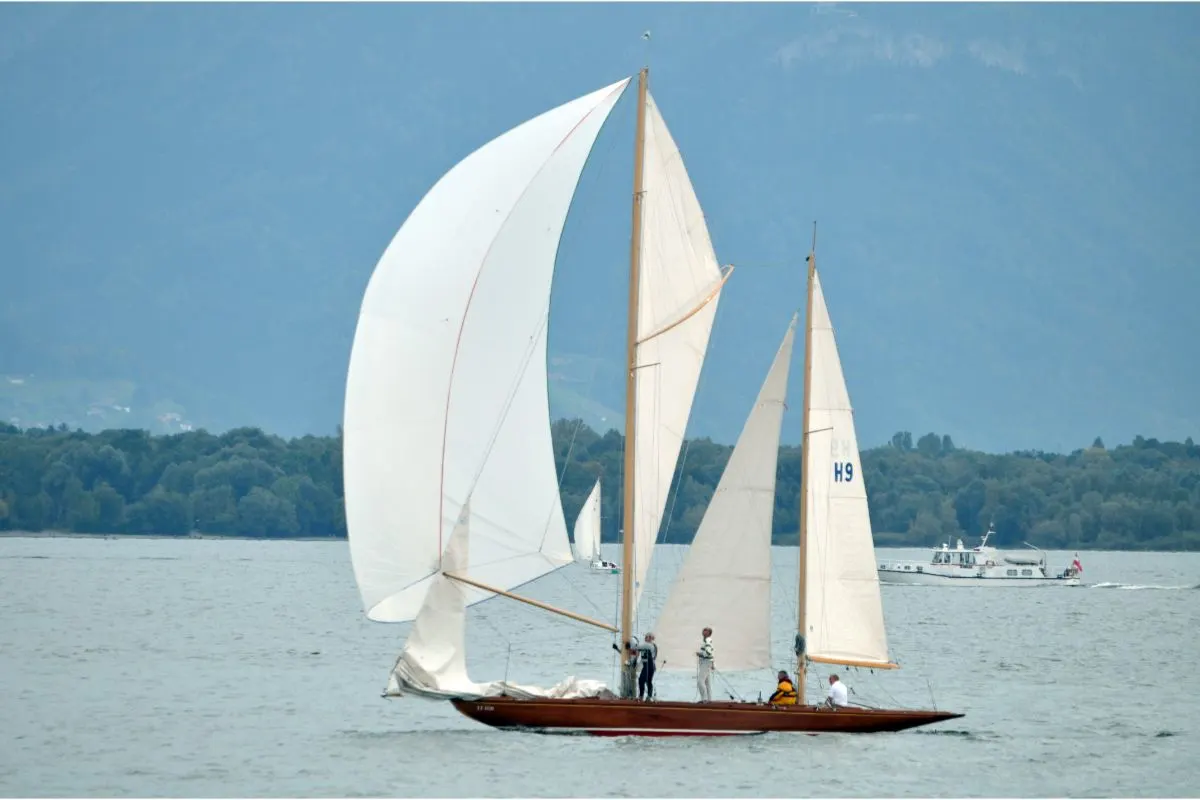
(192, 198)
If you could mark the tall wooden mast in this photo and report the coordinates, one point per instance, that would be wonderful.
(635, 263)
(801, 626)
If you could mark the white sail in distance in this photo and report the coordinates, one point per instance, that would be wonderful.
(587, 528)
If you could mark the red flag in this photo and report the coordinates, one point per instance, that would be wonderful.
(1078, 567)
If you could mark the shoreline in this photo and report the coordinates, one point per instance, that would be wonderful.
(242, 538)
(180, 537)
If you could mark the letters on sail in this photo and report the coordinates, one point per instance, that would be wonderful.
(843, 610)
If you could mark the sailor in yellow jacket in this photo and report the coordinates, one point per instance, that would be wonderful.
(785, 693)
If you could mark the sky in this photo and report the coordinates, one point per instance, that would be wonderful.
(193, 197)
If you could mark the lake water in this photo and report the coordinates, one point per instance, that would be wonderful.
(132, 667)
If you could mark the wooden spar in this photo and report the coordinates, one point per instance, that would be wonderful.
(635, 264)
(850, 662)
(530, 601)
(801, 627)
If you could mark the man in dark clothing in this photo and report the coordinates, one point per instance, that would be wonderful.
(649, 653)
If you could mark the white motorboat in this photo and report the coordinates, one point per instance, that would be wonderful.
(980, 566)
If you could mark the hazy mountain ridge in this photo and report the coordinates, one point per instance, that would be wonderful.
(193, 199)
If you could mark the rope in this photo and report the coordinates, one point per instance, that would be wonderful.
(729, 690)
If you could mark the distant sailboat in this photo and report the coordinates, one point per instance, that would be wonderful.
(453, 330)
(587, 535)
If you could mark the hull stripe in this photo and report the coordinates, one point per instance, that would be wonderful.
(632, 731)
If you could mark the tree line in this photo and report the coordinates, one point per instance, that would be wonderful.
(1143, 495)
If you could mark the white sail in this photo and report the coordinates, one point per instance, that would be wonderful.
(843, 612)
(679, 288)
(446, 397)
(433, 663)
(725, 580)
(587, 528)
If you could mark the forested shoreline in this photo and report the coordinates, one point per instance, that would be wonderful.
(1140, 496)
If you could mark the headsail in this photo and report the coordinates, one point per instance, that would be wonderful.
(446, 397)
(844, 614)
(725, 580)
(587, 528)
(679, 288)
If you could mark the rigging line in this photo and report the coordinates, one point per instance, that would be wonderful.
(603, 162)
(701, 381)
(486, 618)
(653, 575)
(574, 587)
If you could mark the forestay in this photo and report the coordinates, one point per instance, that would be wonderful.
(679, 286)
(844, 615)
(446, 397)
(725, 579)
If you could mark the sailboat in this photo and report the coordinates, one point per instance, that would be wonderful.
(450, 486)
(587, 535)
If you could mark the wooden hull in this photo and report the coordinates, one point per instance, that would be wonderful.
(613, 717)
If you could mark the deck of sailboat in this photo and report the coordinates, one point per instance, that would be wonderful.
(623, 717)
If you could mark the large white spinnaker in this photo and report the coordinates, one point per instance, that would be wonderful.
(446, 397)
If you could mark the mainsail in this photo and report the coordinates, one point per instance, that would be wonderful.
(587, 528)
(843, 612)
(679, 288)
(725, 579)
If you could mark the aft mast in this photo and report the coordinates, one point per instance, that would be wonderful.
(635, 263)
(801, 662)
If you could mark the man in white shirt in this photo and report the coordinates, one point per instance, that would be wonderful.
(838, 695)
(704, 665)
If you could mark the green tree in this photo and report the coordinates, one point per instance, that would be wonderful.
(161, 512)
(262, 513)
(110, 508)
